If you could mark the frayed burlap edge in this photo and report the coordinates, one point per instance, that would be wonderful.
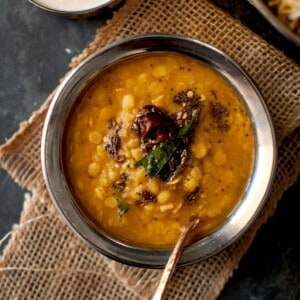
(140, 281)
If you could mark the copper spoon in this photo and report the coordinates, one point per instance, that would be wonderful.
(173, 259)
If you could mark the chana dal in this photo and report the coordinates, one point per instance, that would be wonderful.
(171, 110)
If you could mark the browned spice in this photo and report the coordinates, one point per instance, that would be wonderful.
(219, 114)
(190, 101)
(120, 184)
(145, 197)
(112, 142)
(192, 197)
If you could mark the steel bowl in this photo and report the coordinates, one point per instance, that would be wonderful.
(255, 193)
(82, 9)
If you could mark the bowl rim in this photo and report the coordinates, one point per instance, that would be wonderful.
(258, 186)
(77, 12)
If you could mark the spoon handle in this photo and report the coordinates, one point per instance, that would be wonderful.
(173, 259)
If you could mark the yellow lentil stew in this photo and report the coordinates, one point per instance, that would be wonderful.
(154, 141)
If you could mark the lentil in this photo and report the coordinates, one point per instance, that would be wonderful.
(101, 149)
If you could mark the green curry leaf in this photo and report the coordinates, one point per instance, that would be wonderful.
(122, 207)
(186, 129)
(155, 161)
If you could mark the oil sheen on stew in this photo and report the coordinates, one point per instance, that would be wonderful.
(154, 141)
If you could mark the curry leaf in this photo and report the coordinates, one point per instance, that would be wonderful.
(186, 129)
(122, 207)
(155, 161)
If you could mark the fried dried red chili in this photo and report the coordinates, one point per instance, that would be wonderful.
(153, 126)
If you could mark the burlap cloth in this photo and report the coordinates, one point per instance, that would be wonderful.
(45, 260)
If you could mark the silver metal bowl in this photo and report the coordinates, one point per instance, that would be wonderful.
(80, 10)
(275, 21)
(258, 186)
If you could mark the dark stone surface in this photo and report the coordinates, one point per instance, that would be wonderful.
(36, 48)
(271, 268)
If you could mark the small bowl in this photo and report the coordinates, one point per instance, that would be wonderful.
(258, 185)
(77, 8)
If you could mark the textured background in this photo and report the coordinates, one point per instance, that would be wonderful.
(35, 50)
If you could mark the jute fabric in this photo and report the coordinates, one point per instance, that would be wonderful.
(45, 260)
